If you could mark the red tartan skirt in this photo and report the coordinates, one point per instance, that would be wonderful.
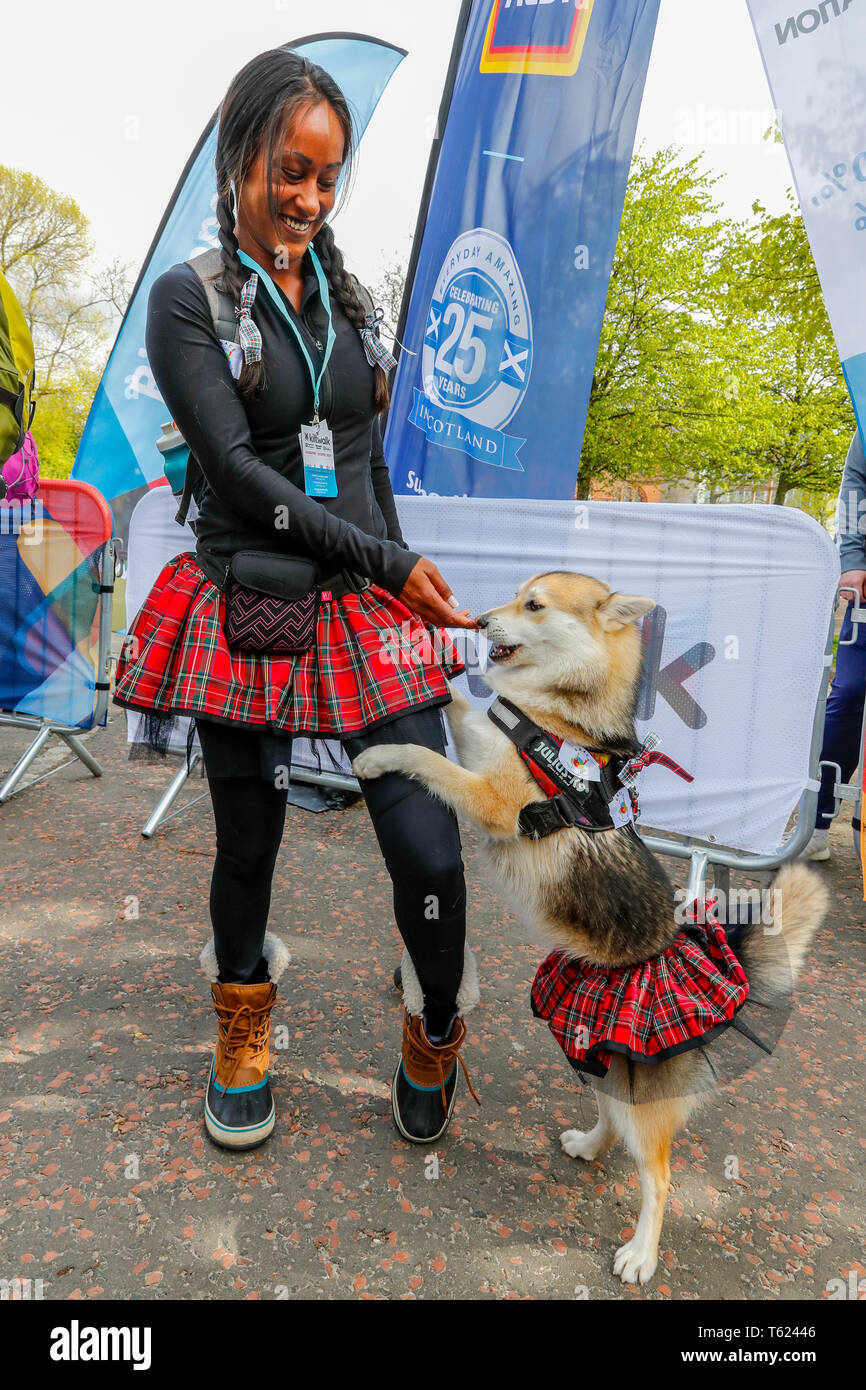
(372, 659)
(650, 1011)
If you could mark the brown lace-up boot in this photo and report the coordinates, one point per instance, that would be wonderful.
(424, 1088)
(239, 1110)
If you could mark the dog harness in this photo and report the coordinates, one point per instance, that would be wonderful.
(682, 998)
(592, 788)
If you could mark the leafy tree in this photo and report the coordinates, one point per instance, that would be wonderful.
(71, 307)
(716, 363)
(801, 416)
(661, 390)
(59, 422)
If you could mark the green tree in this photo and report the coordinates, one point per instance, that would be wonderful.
(660, 404)
(800, 416)
(716, 363)
(72, 307)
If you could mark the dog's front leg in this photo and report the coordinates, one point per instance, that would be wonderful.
(456, 712)
(466, 793)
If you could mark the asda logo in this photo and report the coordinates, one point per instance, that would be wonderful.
(536, 36)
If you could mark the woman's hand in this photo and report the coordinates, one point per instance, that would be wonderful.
(426, 593)
(851, 579)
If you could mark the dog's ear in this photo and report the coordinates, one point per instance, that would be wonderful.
(617, 610)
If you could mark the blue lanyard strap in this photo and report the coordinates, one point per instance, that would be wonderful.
(326, 300)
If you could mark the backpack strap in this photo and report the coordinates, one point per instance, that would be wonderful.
(364, 295)
(208, 266)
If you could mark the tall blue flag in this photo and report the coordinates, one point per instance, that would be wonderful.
(117, 452)
(502, 327)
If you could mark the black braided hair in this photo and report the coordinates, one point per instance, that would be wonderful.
(253, 377)
(342, 288)
(257, 111)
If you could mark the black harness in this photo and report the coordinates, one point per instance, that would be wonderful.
(571, 800)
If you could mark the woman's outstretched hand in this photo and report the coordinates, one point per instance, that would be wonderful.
(426, 593)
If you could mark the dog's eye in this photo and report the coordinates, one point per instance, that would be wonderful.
(533, 605)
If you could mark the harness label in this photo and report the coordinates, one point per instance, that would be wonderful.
(620, 809)
(579, 762)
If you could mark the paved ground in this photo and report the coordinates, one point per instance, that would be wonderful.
(108, 1188)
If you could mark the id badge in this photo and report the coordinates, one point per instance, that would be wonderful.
(317, 448)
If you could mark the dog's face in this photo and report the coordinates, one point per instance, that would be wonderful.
(560, 629)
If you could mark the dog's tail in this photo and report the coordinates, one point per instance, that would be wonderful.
(772, 954)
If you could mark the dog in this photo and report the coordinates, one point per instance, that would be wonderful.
(566, 652)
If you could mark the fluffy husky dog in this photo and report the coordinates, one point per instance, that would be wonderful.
(567, 651)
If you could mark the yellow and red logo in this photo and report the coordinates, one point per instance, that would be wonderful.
(540, 36)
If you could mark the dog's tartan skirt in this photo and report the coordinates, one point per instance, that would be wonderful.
(371, 659)
(677, 1000)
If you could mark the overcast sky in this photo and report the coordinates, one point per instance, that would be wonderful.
(111, 96)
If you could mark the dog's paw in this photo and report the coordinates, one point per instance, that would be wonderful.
(577, 1144)
(373, 762)
(635, 1263)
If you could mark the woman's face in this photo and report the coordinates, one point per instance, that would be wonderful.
(305, 177)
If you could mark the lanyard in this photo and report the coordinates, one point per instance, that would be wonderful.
(326, 300)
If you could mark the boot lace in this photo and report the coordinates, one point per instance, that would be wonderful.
(422, 1053)
(244, 1033)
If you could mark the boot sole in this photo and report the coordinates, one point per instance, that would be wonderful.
(239, 1139)
(413, 1138)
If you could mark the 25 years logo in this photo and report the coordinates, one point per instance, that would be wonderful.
(477, 355)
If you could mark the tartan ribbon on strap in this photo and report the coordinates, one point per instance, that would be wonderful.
(375, 349)
(250, 337)
(635, 766)
(700, 912)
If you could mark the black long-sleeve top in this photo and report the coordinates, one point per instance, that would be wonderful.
(250, 453)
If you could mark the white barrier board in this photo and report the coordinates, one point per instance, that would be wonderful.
(735, 647)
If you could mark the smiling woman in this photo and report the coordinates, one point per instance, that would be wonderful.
(296, 199)
(283, 424)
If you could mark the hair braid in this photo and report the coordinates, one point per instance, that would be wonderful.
(340, 284)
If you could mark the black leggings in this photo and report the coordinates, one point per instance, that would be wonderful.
(419, 839)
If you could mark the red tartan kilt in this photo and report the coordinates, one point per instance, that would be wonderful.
(372, 658)
(649, 1011)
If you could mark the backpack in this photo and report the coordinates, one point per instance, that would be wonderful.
(20, 472)
(17, 375)
(209, 268)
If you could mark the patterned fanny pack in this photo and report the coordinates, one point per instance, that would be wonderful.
(271, 602)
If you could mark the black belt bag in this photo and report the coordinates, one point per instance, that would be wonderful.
(272, 601)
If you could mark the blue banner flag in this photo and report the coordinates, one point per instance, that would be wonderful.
(118, 453)
(501, 325)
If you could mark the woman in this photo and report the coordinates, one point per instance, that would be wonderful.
(285, 138)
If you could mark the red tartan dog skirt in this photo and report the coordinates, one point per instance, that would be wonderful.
(372, 659)
(650, 1011)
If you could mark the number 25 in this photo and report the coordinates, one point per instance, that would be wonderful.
(456, 314)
